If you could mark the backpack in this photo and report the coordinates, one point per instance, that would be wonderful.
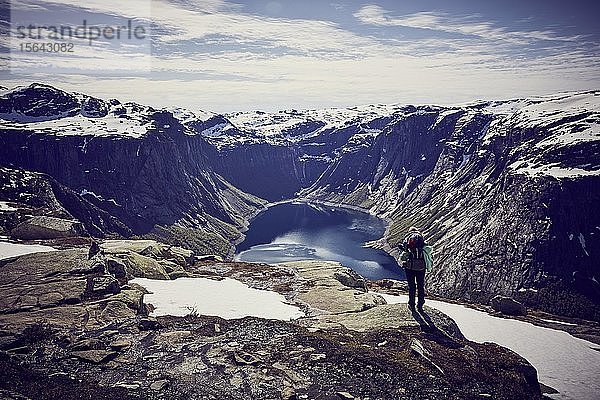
(414, 244)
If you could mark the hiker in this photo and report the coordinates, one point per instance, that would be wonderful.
(417, 258)
(93, 250)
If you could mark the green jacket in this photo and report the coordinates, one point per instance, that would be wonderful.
(427, 254)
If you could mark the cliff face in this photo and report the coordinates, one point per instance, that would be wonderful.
(135, 163)
(505, 191)
(507, 200)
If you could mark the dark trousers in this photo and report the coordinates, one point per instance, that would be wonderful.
(416, 282)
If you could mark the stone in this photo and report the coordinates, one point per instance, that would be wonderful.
(94, 356)
(145, 267)
(105, 284)
(170, 266)
(159, 385)
(351, 279)
(116, 267)
(243, 358)
(87, 344)
(115, 311)
(148, 324)
(129, 386)
(120, 344)
(508, 305)
(132, 298)
(43, 227)
(345, 395)
(178, 274)
(209, 257)
(153, 251)
(417, 348)
(326, 294)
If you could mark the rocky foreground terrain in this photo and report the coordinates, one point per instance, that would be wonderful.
(73, 326)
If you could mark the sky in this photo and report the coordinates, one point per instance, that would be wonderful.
(226, 56)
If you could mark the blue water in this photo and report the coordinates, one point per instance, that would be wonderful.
(298, 231)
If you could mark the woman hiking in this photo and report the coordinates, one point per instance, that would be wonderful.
(416, 258)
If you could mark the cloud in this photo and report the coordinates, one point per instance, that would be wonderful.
(468, 26)
(217, 56)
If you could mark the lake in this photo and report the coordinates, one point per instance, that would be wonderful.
(306, 231)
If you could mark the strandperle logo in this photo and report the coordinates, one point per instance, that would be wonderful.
(47, 37)
(84, 31)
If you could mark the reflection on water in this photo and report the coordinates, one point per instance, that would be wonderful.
(292, 232)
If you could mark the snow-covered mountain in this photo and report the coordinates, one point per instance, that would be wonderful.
(507, 191)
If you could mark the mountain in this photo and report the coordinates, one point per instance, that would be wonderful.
(138, 164)
(506, 191)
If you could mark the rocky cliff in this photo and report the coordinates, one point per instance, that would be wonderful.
(137, 164)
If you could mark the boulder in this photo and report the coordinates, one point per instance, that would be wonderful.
(105, 284)
(116, 267)
(115, 310)
(132, 298)
(325, 293)
(159, 385)
(42, 227)
(145, 267)
(120, 344)
(351, 279)
(508, 306)
(148, 324)
(94, 356)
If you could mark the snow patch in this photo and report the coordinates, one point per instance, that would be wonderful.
(5, 207)
(582, 242)
(97, 196)
(557, 322)
(554, 170)
(9, 250)
(227, 298)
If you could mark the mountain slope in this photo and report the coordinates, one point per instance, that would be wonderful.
(150, 178)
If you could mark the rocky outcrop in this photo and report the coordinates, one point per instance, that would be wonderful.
(103, 345)
(39, 195)
(508, 306)
(43, 227)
